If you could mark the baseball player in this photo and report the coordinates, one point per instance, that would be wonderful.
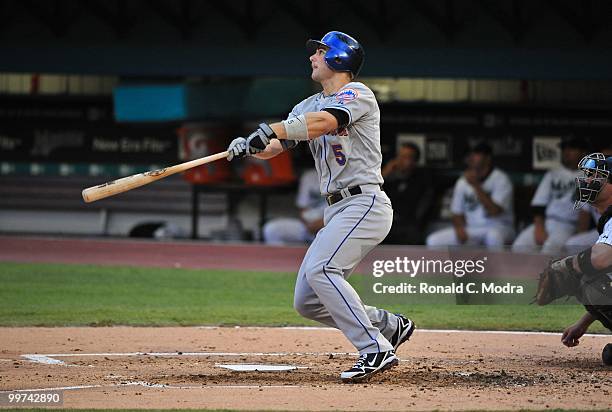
(585, 236)
(587, 275)
(482, 205)
(554, 218)
(341, 127)
(312, 205)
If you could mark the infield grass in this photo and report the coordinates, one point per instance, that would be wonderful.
(78, 295)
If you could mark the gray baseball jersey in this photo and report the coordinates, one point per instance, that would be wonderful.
(349, 156)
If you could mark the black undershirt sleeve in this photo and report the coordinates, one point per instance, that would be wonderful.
(538, 210)
(341, 116)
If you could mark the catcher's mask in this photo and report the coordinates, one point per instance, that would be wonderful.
(596, 168)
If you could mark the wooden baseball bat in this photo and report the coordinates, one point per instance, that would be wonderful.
(91, 194)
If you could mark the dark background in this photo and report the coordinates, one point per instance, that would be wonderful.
(232, 64)
(239, 45)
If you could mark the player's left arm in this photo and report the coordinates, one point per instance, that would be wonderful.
(590, 262)
(496, 202)
(316, 124)
(492, 208)
(350, 104)
(499, 200)
(287, 133)
(566, 276)
(596, 258)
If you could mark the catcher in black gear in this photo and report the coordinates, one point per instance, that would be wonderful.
(587, 275)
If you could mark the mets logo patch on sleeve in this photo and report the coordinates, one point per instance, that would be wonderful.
(347, 95)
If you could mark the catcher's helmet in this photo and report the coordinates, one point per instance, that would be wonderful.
(597, 169)
(344, 53)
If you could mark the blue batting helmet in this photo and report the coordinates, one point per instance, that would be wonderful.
(344, 53)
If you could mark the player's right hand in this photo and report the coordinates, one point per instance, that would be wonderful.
(237, 148)
(572, 334)
(540, 234)
(461, 233)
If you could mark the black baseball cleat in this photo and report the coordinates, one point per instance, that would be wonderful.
(369, 364)
(405, 328)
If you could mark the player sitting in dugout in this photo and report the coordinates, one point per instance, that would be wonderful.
(411, 190)
(311, 204)
(555, 220)
(587, 275)
(482, 205)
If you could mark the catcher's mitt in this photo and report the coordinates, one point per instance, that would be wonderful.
(556, 281)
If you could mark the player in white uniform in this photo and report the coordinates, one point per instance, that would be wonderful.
(594, 263)
(312, 205)
(585, 237)
(482, 206)
(341, 126)
(555, 220)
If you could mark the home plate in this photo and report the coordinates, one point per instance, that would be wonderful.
(243, 367)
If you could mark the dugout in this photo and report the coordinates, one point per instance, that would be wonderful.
(518, 74)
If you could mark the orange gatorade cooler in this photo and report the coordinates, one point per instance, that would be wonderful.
(273, 172)
(197, 141)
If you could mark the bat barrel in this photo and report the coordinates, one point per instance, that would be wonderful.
(91, 194)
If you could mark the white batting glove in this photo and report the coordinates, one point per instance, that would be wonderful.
(237, 148)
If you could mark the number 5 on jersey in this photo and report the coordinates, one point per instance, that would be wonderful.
(340, 157)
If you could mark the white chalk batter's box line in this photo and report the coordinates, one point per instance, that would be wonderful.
(154, 386)
(50, 358)
(328, 329)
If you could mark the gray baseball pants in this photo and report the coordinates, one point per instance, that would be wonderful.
(353, 227)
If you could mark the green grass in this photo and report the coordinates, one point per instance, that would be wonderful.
(58, 295)
(51, 294)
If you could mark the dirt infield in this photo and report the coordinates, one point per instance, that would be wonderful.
(122, 367)
(177, 368)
